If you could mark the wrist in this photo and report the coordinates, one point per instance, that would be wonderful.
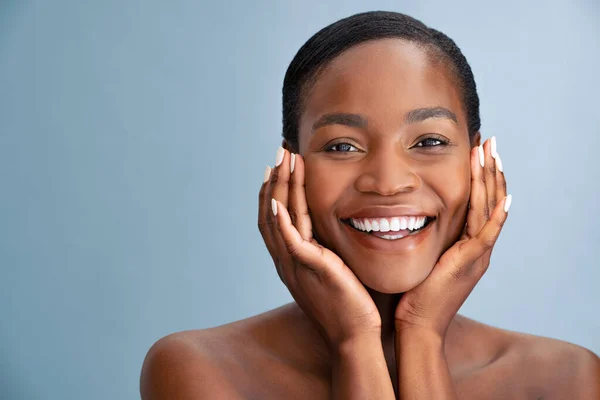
(354, 345)
(419, 335)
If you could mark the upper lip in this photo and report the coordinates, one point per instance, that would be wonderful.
(388, 212)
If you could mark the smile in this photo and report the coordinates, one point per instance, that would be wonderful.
(390, 228)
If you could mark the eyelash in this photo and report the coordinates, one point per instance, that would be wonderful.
(442, 142)
(439, 139)
(329, 148)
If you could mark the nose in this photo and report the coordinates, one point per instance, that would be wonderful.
(388, 172)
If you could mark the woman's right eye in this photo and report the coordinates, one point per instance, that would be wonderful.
(341, 148)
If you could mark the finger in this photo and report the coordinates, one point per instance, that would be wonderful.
(280, 177)
(316, 258)
(490, 171)
(265, 221)
(279, 190)
(298, 209)
(484, 241)
(500, 179)
(479, 211)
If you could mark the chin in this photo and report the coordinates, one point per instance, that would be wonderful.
(389, 266)
(392, 277)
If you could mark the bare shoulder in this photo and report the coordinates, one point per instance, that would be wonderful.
(178, 366)
(242, 359)
(541, 367)
(563, 369)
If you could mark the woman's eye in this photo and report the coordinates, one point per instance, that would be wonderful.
(341, 148)
(430, 142)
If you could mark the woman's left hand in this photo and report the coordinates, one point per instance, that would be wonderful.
(431, 306)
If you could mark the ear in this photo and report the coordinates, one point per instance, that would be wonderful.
(476, 139)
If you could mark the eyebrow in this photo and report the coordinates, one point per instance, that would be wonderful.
(358, 121)
(421, 114)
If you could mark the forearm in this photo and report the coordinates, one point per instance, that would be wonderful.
(422, 368)
(360, 371)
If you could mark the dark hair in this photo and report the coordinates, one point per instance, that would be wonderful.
(332, 40)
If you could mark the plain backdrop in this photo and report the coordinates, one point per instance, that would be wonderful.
(133, 140)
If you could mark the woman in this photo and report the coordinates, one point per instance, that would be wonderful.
(380, 214)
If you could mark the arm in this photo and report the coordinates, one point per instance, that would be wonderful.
(360, 371)
(422, 368)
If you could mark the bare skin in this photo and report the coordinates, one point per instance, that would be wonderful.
(279, 354)
(376, 317)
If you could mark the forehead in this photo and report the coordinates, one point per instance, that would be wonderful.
(382, 79)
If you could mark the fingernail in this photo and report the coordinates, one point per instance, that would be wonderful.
(507, 202)
(292, 162)
(279, 157)
(274, 206)
(494, 148)
(499, 163)
(481, 156)
(267, 174)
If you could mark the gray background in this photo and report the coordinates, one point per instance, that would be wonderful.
(133, 139)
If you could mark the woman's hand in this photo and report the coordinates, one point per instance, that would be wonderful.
(323, 286)
(431, 306)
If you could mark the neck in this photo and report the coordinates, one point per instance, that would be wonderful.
(386, 305)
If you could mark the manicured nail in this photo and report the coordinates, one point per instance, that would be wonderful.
(292, 162)
(267, 174)
(279, 157)
(499, 163)
(274, 206)
(507, 202)
(481, 156)
(494, 148)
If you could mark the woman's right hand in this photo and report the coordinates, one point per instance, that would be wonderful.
(325, 288)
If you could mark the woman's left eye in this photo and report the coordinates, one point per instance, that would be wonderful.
(430, 142)
(341, 148)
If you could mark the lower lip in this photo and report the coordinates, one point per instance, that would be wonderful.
(407, 243)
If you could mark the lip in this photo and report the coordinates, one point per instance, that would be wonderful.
(388, 211)
(405, 244)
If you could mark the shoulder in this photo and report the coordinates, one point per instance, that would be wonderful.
(561, 369)
(220, 362)
(540, 366)
(179, 366)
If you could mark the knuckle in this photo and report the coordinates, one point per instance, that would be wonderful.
(458, 271)
(486, 211)
(492, 169)
(486, 243)
(292, 249)
(261, 228)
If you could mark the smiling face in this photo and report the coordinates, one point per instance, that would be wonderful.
(384, 137)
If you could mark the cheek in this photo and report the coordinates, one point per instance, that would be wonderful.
(324, 185)
(454, 191)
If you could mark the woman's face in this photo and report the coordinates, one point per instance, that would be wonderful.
(384, 137)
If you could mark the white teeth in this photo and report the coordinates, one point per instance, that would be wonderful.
(394, 224)
(375, 225)
(403, 223)
(384, 225)
(392, 237)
